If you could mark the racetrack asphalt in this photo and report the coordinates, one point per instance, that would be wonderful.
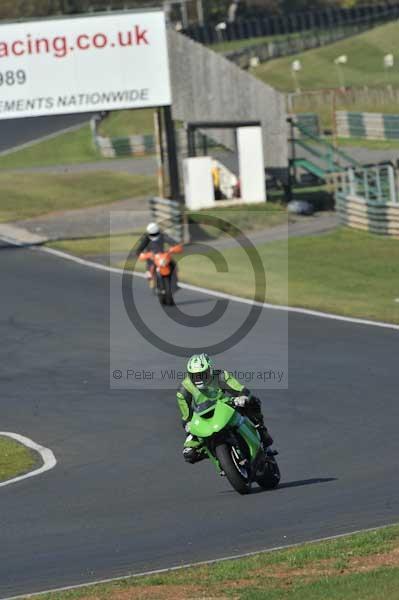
(121, 500)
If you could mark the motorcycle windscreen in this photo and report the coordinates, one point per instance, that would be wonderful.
(205, 427)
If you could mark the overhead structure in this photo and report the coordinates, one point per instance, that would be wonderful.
(91, 63)
(208, 87)
(104, 62)
(201, 191)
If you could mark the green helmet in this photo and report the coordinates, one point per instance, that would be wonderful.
(200, 370)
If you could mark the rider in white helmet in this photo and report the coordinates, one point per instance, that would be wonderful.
(153, 240)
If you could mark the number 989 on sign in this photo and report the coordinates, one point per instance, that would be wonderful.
(12, 77)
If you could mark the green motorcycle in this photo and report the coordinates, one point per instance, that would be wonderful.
(232, 442)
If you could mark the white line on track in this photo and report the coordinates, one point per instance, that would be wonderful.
(195, 564)
(186, 286)
(47, 455)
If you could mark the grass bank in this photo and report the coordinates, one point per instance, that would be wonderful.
(25, 195)
(67, 148)
(243, 217)
(122, 123)
(363, 566)
(318, 70)
(345, 272)
(370, 144)
(15, 459)
(77, 146)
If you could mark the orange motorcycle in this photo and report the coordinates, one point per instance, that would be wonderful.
(163, 272)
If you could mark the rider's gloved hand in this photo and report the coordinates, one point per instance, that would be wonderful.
(240, 401)
(187, 427)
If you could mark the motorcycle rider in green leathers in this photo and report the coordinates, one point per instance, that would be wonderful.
(202, 376)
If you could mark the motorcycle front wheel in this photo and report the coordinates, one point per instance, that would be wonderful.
(229, 461)
(162, 289)
(270, 477)
(167, 292)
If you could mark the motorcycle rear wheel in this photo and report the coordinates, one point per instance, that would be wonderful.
(237, 479)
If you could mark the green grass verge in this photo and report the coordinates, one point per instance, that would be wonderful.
(123, 123)
(15, 459)
(364, 566)
(67, 148)
(29, 195)
(345, 272)
(77, 146)
(370, 144)
(243, 217)
(365, 63)
(98, 246)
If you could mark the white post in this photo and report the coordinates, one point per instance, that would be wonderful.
(184, 14)
(200, 12)
(198, 182)
(392, 184)
(251, 164)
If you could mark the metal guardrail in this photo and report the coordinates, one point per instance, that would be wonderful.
(332, 151)
(355, 213)
(367, 125)
(367, 199)
(170, 215)
(323, 158)
(136, 145)
(375, 185)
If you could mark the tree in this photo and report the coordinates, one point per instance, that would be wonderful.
(19, 9)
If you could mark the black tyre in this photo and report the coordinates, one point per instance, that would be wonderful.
(160, 291)
(168, 296)
(236, 475)
(161, 296)
(270, 477)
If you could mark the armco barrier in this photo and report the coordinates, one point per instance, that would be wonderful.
(368, 216)
(169, 214)
(140, 145)
(367, 199)
(371, 126)
(136, 145)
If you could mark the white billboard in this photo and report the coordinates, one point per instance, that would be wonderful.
(104, 62)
